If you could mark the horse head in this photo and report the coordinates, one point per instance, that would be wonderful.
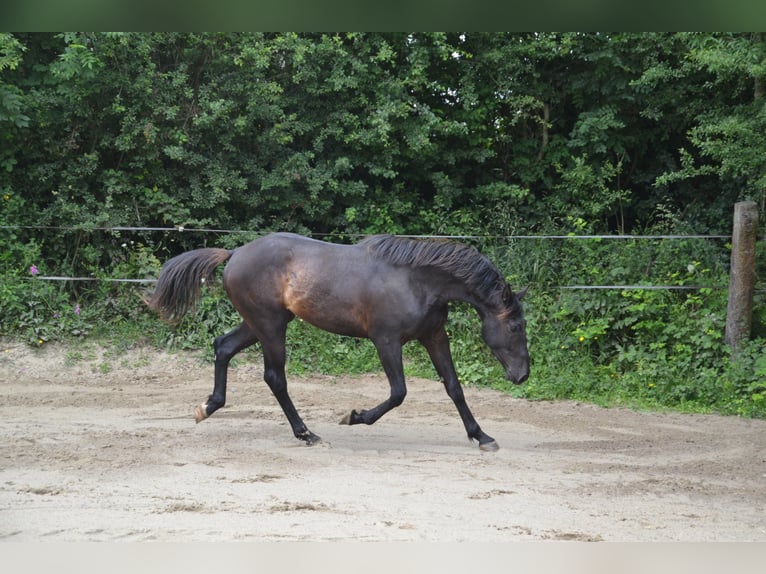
(505, 334)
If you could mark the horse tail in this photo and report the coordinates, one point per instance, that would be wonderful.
(178, 287)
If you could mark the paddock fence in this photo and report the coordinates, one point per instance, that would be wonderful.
(330, 236)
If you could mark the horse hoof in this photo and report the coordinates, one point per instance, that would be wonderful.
(490, 446)
(310, 438)
(348, 418)
(200, 413)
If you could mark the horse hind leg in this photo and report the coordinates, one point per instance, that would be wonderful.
(274, 359)
(391, 358)
(225, 347)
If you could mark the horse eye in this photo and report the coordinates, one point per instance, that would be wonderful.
(517, 326)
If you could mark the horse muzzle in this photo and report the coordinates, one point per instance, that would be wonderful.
(517, 378)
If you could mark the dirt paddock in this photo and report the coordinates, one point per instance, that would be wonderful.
(104, 448)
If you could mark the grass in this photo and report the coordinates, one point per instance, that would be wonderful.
(576, 353)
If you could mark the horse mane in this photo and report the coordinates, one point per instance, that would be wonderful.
(461, 261)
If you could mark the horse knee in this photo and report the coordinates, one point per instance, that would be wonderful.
(276, 382)
(454, 390)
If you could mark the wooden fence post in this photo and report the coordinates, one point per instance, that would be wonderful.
(739, 313)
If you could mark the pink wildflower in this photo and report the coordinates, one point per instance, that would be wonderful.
(33, 270)
(77, 309)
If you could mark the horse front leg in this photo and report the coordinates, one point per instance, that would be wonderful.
(390, 354)
(437, 345)
(225, 347)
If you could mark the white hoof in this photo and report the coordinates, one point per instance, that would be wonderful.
(200, 413)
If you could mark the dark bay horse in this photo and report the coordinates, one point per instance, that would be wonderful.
(388, 289)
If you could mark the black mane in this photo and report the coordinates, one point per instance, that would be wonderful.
(459, 260)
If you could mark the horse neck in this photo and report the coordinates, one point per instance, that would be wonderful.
(457, 290)
(483, 305)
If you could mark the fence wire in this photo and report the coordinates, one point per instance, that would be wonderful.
(183, 229)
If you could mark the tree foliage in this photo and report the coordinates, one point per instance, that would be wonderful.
(360, 132)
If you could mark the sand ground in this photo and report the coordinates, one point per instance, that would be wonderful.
(102, 447)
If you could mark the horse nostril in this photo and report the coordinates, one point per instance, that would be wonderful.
(517, 380)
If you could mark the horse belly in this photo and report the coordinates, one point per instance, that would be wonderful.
(364, 308)
(327, 307)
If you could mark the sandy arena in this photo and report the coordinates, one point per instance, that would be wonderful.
(104, 448)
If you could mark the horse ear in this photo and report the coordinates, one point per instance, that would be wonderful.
(520, 294)
(507, 294)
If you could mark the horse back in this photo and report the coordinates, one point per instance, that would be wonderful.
(338, 288)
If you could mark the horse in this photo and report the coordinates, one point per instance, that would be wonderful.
(388, 289)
